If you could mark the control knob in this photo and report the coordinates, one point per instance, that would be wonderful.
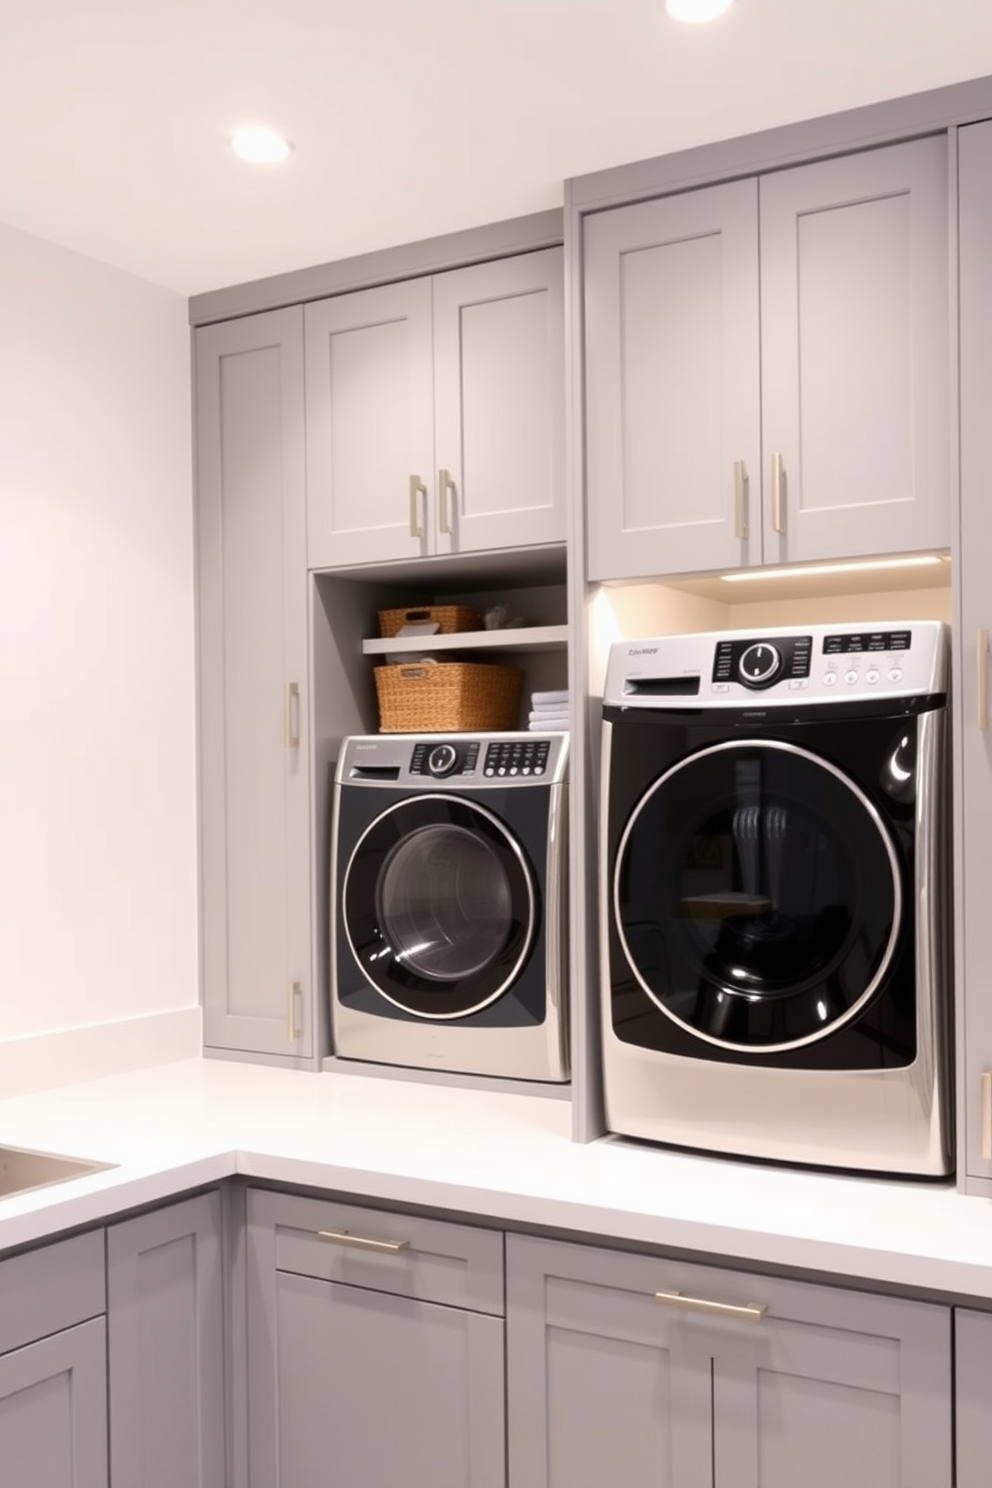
(759, 664)
(442, 759)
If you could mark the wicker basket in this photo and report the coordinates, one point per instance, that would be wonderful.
(449, 619)
(447, 697)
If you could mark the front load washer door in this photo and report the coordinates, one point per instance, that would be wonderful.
(757, 896)
(439, 907)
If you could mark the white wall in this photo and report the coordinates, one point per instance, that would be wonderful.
(97, 747)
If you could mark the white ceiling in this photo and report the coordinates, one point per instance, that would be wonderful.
(410, 118)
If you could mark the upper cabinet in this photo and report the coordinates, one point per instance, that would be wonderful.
(766, 368)
(435, 414)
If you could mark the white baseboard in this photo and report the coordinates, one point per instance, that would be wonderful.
(41, 1061)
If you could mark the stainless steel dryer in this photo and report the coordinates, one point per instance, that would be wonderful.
(448, 903)
(774, 895)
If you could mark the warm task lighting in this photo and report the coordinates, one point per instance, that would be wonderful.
(869, 565)
(259, 145)
(696, 10)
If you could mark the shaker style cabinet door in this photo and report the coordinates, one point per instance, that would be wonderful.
(672, 384)
(370, 429)
(375, 1352)
(166, 1347)
(435, 414)
(767, 368)
(972, 1397)
(252, 636)
(972, 729)
(499, 403)
(633, 1369)
(53, 1411)
(855, 374)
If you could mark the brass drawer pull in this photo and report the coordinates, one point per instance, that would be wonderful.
(740, 499)
(363, 1242)
(751, 1312)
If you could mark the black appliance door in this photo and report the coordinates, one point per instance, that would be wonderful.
(757, 896)
(438, 906)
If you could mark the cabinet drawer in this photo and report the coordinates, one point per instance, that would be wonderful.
(46, 1290)
(403, 1254)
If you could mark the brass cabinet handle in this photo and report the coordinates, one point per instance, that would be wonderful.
(778, 482)
(982, 678)
(291, 711)
(363, 1242)
(443, 482)
(750, 1312)
(740, 499)
(417, 488)
(292, 993)
(987, 1117)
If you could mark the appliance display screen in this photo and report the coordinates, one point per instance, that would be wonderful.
(868, 640)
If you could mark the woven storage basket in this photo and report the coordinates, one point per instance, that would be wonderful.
(449, 619)
(447, 697)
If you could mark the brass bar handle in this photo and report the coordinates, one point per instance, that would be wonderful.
(417, 488)
(778, 485)
(740, 499)
(291, 714)
(294, 1030)
(444, 481)
(363, 1242)
(982, 679)
(750, 1312)
(987, 1117)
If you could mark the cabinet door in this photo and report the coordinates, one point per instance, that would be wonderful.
(972, 1397)
(499, 409)
(829, 1387)
(53, 1411)
(672, 384)
(361, 1363)
(855, 354)
(688, 1375)
(370, 435)
(166, 1347)
(974, 825)
(252, 620)
(603, 1385)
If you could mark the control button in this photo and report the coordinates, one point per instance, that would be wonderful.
(797, 683)
(895, 674)
(872, 675)
(829, 678)
(721, 686)
(759, 664)
(850, 677)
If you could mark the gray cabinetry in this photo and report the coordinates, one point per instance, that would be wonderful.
(972, 719)
(53, 1367)
(252, 629)
(766, 368)
(166, 1347)
(375, 1343)
(972, 1397)
(617, 1373)
(435, 414)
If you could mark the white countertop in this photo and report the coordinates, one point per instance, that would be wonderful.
(500, 1156)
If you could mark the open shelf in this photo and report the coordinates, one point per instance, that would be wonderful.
(524, 638)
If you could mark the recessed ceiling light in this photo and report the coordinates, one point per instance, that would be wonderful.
(259, 145)
(696, 10)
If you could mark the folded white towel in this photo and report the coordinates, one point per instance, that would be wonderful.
(553, 722)
(539, 699)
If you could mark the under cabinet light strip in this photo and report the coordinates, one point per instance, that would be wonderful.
(751, 574)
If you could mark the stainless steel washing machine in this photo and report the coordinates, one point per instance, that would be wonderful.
(447, 914)
(775, 922)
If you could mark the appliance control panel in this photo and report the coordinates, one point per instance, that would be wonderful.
(821, 663)
(453, 761)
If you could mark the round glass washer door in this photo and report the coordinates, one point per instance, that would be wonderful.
(757, 896)
(439, 906)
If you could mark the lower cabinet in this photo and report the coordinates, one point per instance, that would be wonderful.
(53, 1367)
(166, 1347)
(375, 1348)
(628, 1369)
(972, 1397)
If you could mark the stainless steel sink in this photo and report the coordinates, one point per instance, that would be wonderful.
(21, 1169)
